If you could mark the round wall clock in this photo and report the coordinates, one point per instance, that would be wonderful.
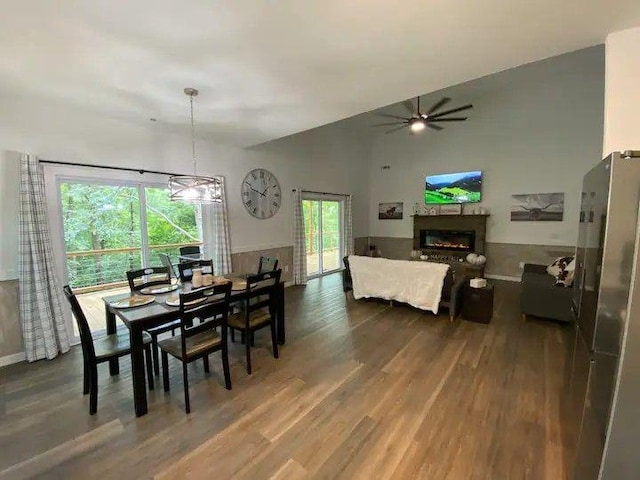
(261, 194)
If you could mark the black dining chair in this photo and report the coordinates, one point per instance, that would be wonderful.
(100, 350)
(148, 277)
(211, 306)
(189, 251)
(267, 264)
(151, 277)
(258, 310)
(185, 269)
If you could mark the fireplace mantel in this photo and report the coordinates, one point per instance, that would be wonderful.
(475, 223)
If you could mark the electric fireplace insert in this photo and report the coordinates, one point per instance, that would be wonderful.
(452, 240)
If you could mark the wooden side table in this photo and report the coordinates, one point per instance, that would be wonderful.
(477, 303)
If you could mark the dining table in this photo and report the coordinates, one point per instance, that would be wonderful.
(138, 319)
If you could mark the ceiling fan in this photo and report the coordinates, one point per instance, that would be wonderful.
(419, 120)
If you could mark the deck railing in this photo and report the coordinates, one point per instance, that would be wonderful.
(331, 241)
(91, 270)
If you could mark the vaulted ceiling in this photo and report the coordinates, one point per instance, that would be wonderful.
(267, 69)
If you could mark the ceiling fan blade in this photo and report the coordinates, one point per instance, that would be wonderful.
(396, 129)
(453, 110)
(408, 104)
(388, 115)
(449, 119)
(438, 105)
(386, 124)
(435, 127)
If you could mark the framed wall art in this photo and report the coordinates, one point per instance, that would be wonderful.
(390, 211)
(537, 207)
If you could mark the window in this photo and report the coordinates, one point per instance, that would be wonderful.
(112, 227)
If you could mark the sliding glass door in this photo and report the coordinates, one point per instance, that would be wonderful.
(323, 235)
(112, 227)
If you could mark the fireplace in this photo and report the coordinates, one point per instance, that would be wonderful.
(451, 240)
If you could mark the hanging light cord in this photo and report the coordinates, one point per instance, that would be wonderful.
(193, 135)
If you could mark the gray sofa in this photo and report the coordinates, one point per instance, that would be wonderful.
(451, 289)
(540, 297)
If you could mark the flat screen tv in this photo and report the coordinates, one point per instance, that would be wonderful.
(463, 187)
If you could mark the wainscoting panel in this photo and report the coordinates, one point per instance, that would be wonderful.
(248, 261)
(393, 247)
(10, 330)
(360, 245)
(503, 259)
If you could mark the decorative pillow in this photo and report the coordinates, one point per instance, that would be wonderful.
(563, 268)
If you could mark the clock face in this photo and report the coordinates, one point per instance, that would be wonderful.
(261, 194)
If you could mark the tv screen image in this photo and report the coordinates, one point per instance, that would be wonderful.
(463, 187)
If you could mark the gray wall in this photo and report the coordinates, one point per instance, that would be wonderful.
(533, 129)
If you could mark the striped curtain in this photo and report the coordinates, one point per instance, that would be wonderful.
(43, 324)
(299, 248)
(215, 234)
(348, 227)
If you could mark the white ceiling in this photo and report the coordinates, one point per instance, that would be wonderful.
(267, 69)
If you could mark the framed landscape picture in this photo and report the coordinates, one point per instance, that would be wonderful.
(537, 207)
(390, 211)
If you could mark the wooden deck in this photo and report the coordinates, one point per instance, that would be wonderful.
(331, 260)
(93, 307)
(361, 390)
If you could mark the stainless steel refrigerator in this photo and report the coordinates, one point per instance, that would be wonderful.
(603, 410)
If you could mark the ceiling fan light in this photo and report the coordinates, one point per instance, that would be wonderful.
(418, 125)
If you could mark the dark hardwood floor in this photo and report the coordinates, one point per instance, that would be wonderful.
(361, 390)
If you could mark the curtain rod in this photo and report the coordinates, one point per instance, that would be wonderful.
(141, 171)
(322, 193)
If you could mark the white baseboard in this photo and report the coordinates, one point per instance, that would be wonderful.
(10, 359)
(503, 277)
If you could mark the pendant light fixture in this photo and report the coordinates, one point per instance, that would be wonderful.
(194, 188)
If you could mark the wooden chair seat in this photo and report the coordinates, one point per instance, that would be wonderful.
(196, 345)
(116, 345)
(256, 318)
